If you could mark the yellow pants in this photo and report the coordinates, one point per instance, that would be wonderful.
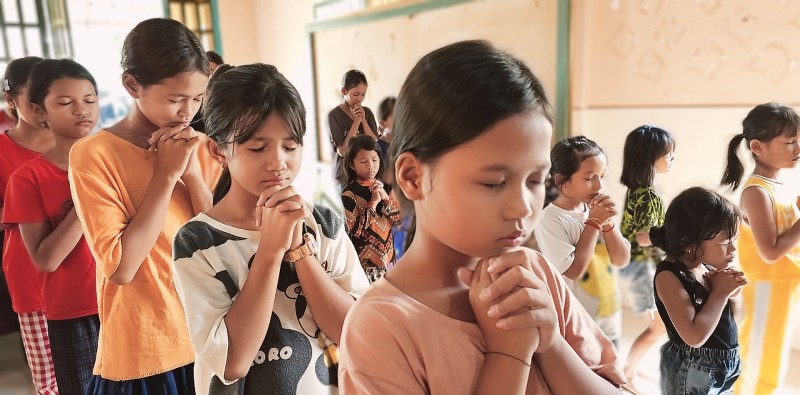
(765, 335)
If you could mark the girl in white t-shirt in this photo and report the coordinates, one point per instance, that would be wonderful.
(573, 224)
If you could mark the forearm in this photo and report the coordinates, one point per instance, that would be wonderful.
(705, 321)
(141, 234)
(785, 242)
(501, 374)
(737, 309)
(643, 239)
(198, 192)
(583, 252)
(248, 318)
(619, 249)
(328, 302)
(566, 373)
(368, 130)
(55, 247)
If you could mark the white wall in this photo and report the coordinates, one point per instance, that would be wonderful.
(274, 32)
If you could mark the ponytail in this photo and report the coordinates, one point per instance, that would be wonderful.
(223, 185)
(658, 237)
(734, 171)
(551, 190)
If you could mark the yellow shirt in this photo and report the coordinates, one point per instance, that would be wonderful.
(785, 214)
(143, 326)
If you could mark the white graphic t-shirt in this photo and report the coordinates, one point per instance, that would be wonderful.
(212, 261)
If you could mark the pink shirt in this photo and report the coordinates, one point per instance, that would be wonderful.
(393, 344)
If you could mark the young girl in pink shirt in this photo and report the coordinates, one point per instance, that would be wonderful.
(467, 310)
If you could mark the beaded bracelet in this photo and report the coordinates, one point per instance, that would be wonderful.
(528, 364)
(594, 222)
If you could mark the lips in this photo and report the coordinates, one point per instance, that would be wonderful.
(84, 122)
(513, 239)
(274, 181)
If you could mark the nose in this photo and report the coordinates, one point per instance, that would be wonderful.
(597, 184)
(277, 159)
(519, 204)
(185, 110)
(82, 109)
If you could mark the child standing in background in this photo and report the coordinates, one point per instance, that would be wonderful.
(64, 96)
(385, 125)
(350, 119)
(571, 226)
(370, 207)
(19, 145)
(648, 151)
(697, 294)
(467, 311)
(769, 244)
(134, 185)
(266, 280)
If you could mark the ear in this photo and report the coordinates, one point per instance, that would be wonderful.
(408, 175)
(131, 85)
(383, 124)
(217, 153)
(559, 180)
(9, 100)
(40, 113)
(757, 147)
(344, 91)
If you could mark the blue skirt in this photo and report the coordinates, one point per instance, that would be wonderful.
(178, 381)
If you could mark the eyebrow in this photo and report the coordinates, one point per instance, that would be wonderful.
(502, 167)
(263, 139)
(185, 95)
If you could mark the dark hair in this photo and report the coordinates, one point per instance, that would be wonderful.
(694, 216)
(763, 123)
(214, 57)
(49, 70)
(239, 99)
(356, 144)
(161, 48)
(386, 108)
(568, 154)
(475, 85)
(352, 79)
(643, 146)
(16, 76)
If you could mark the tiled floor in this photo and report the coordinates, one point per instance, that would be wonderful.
(15, 378)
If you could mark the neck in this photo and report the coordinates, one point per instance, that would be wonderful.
(767, 171)
(59, 153)
(229, 210)
(31, 137)
(136, 128)
(568, 203)
(434, 263)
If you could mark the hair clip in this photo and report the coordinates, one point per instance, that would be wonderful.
(6, 86)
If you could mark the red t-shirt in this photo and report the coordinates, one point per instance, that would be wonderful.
(38, 192)
(22, 277)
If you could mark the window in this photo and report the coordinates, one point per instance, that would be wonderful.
(197, 15)
(34, 28)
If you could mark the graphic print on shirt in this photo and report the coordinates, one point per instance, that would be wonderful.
(286, 352)
(599, 282)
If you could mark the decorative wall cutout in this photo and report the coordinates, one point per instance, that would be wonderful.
(685, 52)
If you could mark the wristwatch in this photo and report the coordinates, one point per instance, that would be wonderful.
(308, 248)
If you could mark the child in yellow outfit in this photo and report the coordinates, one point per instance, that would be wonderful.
(769, 245)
